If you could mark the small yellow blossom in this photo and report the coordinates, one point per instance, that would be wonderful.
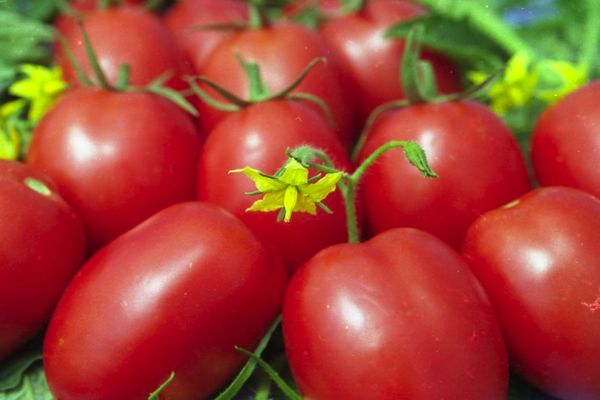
(291, 190)
(41, 86)
(516, 87)
(10, 140)
(565, 77)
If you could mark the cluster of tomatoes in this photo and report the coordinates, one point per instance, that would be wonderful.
(125, 230)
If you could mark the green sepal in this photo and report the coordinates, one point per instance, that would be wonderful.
(350, 6)
(93, 59)
(258, 91)
(173, 96)
(123, 77)
(286, 389)
(155, 395)
(416, 156)
(246, 372)
(37, 186)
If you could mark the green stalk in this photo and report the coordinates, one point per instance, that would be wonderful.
(590, 35)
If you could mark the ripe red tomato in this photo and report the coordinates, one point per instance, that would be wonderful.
(117, 158)
(126, 35)
(186, 19)
(539, 260)
(257, 137)
(565, 145)
(370, 62)
(282, 51)
(397, 317)
(42, 244)
(479, 164)
(176, 293)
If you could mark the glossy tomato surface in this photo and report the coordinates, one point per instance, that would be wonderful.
(565, 145)
(117, 158)
(258, 136)
(539, 260)
(176, 293)
(397, 317)
(190, 20)
(370, 62)
(479, 164)
(126, 35)
(282, 51)
(42, 244)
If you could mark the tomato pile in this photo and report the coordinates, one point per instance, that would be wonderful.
(424, 249)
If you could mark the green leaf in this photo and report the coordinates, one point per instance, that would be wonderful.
(22, 377)
(23, 40)
(41, 10)
(455, 38)
(416, 156)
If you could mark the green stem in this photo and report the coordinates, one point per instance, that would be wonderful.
(348, 191)
(591, 35)
(256, 18)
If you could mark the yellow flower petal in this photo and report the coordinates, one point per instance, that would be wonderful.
(290, 198)
(294, 173)
(270, 202)
(305, 204)
(319, 190)
(263, 183)
(10, 144)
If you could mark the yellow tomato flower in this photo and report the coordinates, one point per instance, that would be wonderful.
(41, 86)
(566, 76)
(291, 190)
(516, 87)
(10, 140)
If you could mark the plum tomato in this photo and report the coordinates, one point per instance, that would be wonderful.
(126, 35)
(479, 163)
(116, 157)
(282, 51)
(369, 62)
(400, 316)
(538, 259)
(174, 294)
(186, 19)
(42, 245)
(258, 136)
(564, 144)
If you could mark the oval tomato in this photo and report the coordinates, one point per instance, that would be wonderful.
(479, 164)
(282, 51)
(397, 317)
(176, 293)
(258, 136)
(539, 260)
(370, 61)
(117, 158)
(126, 35)
(186, 19)
(42, 244)
(564, 143)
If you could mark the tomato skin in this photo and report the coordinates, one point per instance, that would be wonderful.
(176, 293)
(117, 158)
(185, 17)
(283, 51)
(539, 261)
(42, 244)
(258, 136)
(397, 317)
(370, 62)
(479, 164)
(126, 35)
(564, 143)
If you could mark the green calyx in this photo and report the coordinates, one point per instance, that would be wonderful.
(122, 83)
(258, 90)
(418, 82)
(37, 186)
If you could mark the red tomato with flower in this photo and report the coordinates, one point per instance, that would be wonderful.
(258, 136)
